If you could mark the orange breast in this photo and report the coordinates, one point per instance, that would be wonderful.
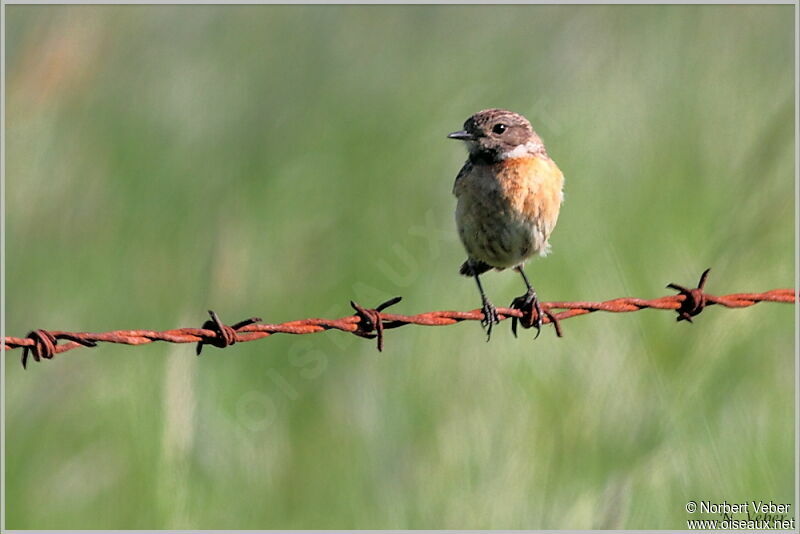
(506, 211)
(533, 188)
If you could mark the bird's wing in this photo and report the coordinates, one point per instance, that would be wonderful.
(465, 170)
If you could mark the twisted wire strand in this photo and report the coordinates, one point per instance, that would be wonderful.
(372, 322)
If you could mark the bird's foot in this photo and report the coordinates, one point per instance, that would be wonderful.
(529, 305)
(490, 317)
(533, 314)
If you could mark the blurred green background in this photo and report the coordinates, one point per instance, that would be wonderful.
(279, 161)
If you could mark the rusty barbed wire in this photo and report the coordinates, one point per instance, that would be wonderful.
(372, 322)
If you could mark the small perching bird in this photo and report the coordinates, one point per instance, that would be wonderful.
(509, 194)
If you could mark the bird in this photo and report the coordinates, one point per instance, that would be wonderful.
(509, 194)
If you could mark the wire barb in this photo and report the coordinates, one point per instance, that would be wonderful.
(45, 344)
(695, 299)
(224, 335)
(371, 323)
(370, 319)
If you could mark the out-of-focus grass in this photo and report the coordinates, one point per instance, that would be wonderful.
(279, 161)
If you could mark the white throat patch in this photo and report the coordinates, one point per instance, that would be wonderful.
(528, 149)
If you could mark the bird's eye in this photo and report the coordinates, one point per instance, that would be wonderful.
(499, 128)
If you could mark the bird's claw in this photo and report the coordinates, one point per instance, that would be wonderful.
(532, 310)
(490, 318)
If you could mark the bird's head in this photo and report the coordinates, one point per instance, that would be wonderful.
(496, 134)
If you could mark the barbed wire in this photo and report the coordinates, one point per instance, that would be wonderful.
(372, 322)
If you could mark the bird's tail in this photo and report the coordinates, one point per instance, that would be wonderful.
(473, 267)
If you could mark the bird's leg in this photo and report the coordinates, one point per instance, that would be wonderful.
(524, 302)
(490, 316)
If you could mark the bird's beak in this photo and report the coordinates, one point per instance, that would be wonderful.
(461, 135)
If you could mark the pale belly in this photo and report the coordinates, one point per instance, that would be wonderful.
(496, 234)
(504, 222)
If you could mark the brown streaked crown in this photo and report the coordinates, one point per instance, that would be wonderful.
(492, 134)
